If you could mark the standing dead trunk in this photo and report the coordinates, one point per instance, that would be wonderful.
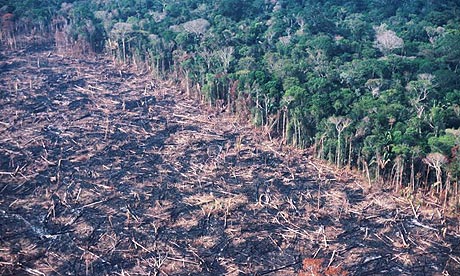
(436, 161)
(398, 171)
(366, 167)
(412, 175)
(341, 124)
(350, 139)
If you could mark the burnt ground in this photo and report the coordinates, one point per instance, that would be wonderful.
(105, 171)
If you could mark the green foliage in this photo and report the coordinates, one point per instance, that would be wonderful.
(443, 144)
(41, 12)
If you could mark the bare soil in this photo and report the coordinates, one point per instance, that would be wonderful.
(106, 171)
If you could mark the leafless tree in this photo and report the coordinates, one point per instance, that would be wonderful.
(419, 90)
(198, 26)
(226, 55)
(387, 40)
(436, 160)
(341, 124)
(207, 56)
(121, 30)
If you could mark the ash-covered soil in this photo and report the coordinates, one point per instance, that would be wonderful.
(107, 171)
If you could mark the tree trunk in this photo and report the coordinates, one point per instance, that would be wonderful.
(438, 179)
(349, 153)
(286, 126)
(187, 84)
(338, 161)
(124, 49)
(400, 173)
(366, 167)
(377, 172)
(412, 175)
(447, 189)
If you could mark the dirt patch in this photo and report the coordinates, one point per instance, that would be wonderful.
(107, 171)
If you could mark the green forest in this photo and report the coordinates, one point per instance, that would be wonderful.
(367, 85)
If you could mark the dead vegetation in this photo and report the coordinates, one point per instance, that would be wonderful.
(104, 171)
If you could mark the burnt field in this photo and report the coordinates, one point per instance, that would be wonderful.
(105, 171)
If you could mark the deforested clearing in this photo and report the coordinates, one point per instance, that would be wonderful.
(106, 171)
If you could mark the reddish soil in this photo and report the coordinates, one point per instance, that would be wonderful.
(105, 171)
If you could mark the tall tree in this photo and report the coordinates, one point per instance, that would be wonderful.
(340, 124)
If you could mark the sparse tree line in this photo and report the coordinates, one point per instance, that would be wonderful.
(373, 85)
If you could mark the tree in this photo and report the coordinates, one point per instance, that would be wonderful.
(387, 40)
(447, 48)
(436, 160)
(434, 33)
(374, 86)
(357, 25)
(235, 9)
(419, 90)
(444, 143)
(121, 31)
(340, 124)
(198, 26)
(225, 55)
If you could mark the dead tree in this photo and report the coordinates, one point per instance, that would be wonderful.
(121, 31)
(387, 40)
(436, 160)
(225, 55)
(419, 90)
(341, 124)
